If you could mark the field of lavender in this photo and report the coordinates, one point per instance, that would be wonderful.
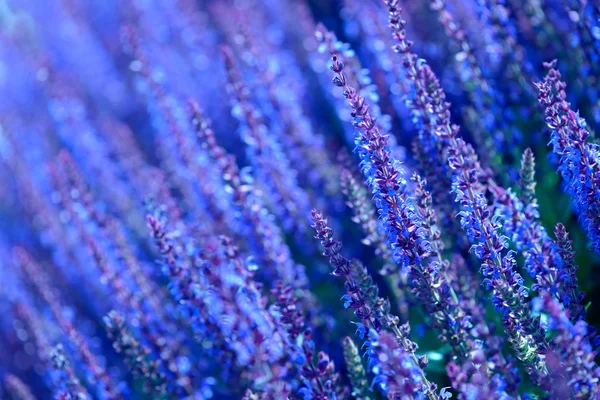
(178, 177)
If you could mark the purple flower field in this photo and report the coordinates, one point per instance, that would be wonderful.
(299, 199)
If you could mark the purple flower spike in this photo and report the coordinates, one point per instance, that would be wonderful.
(412, 233)
(246, 197)
(578, 160)
(35, 274)
(270, 163)
(137, 356)
(372, 311)
(320, 380)
(395, 370)
(498, 266)
(72, 387)
(570, 354)
(570, 297)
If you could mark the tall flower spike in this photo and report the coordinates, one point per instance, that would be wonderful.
(154, 330)
(71, 385)
(550, 263)
(53, 359)
(498, 266)
(365, 215)
(521, 222)
(570, 354)
(98, 374)
(271, 246)
(446, 311)
(473, 301)
(578, 160)
(185, 287)
(227, 314)
(249, 294)
(356, 370)
(136, 356)
(290, 202)
(359, 78)
(175, 150)
(412, 234)
(304, 148)
(395, 372)
(151, 295)
(35, 333)
(355, 298)
(570, 296)
(320, 381)
(374, 36)
(427, 147)
(259, 343)
(427, 219)
(372, 311)
(481, 94)
(518, 68)
(382, 171)
(471, 381)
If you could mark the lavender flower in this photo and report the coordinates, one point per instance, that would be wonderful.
(270, 163)
(571, 298)
(249, 200)
(328, 43)
(497, 268)
(369, 309)
(570, 353)
(355, 298)
(137, 356)
(518, 68)
(72, 386)
(401, 222)
(39, 280)
(364, 213)
(395, 371)
(304, 149)
(129, 199)
(577, 159)
(62, 375)
(544, 259)
(373, 32)
(482, 95)
(184, 286)
(472, 382)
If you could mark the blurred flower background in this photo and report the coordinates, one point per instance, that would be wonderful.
(299, 199)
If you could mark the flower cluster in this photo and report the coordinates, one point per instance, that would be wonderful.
(498, 266)
(571, 355)
(577, 159)
(319, 379)
(136, 356)
(395, 372)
